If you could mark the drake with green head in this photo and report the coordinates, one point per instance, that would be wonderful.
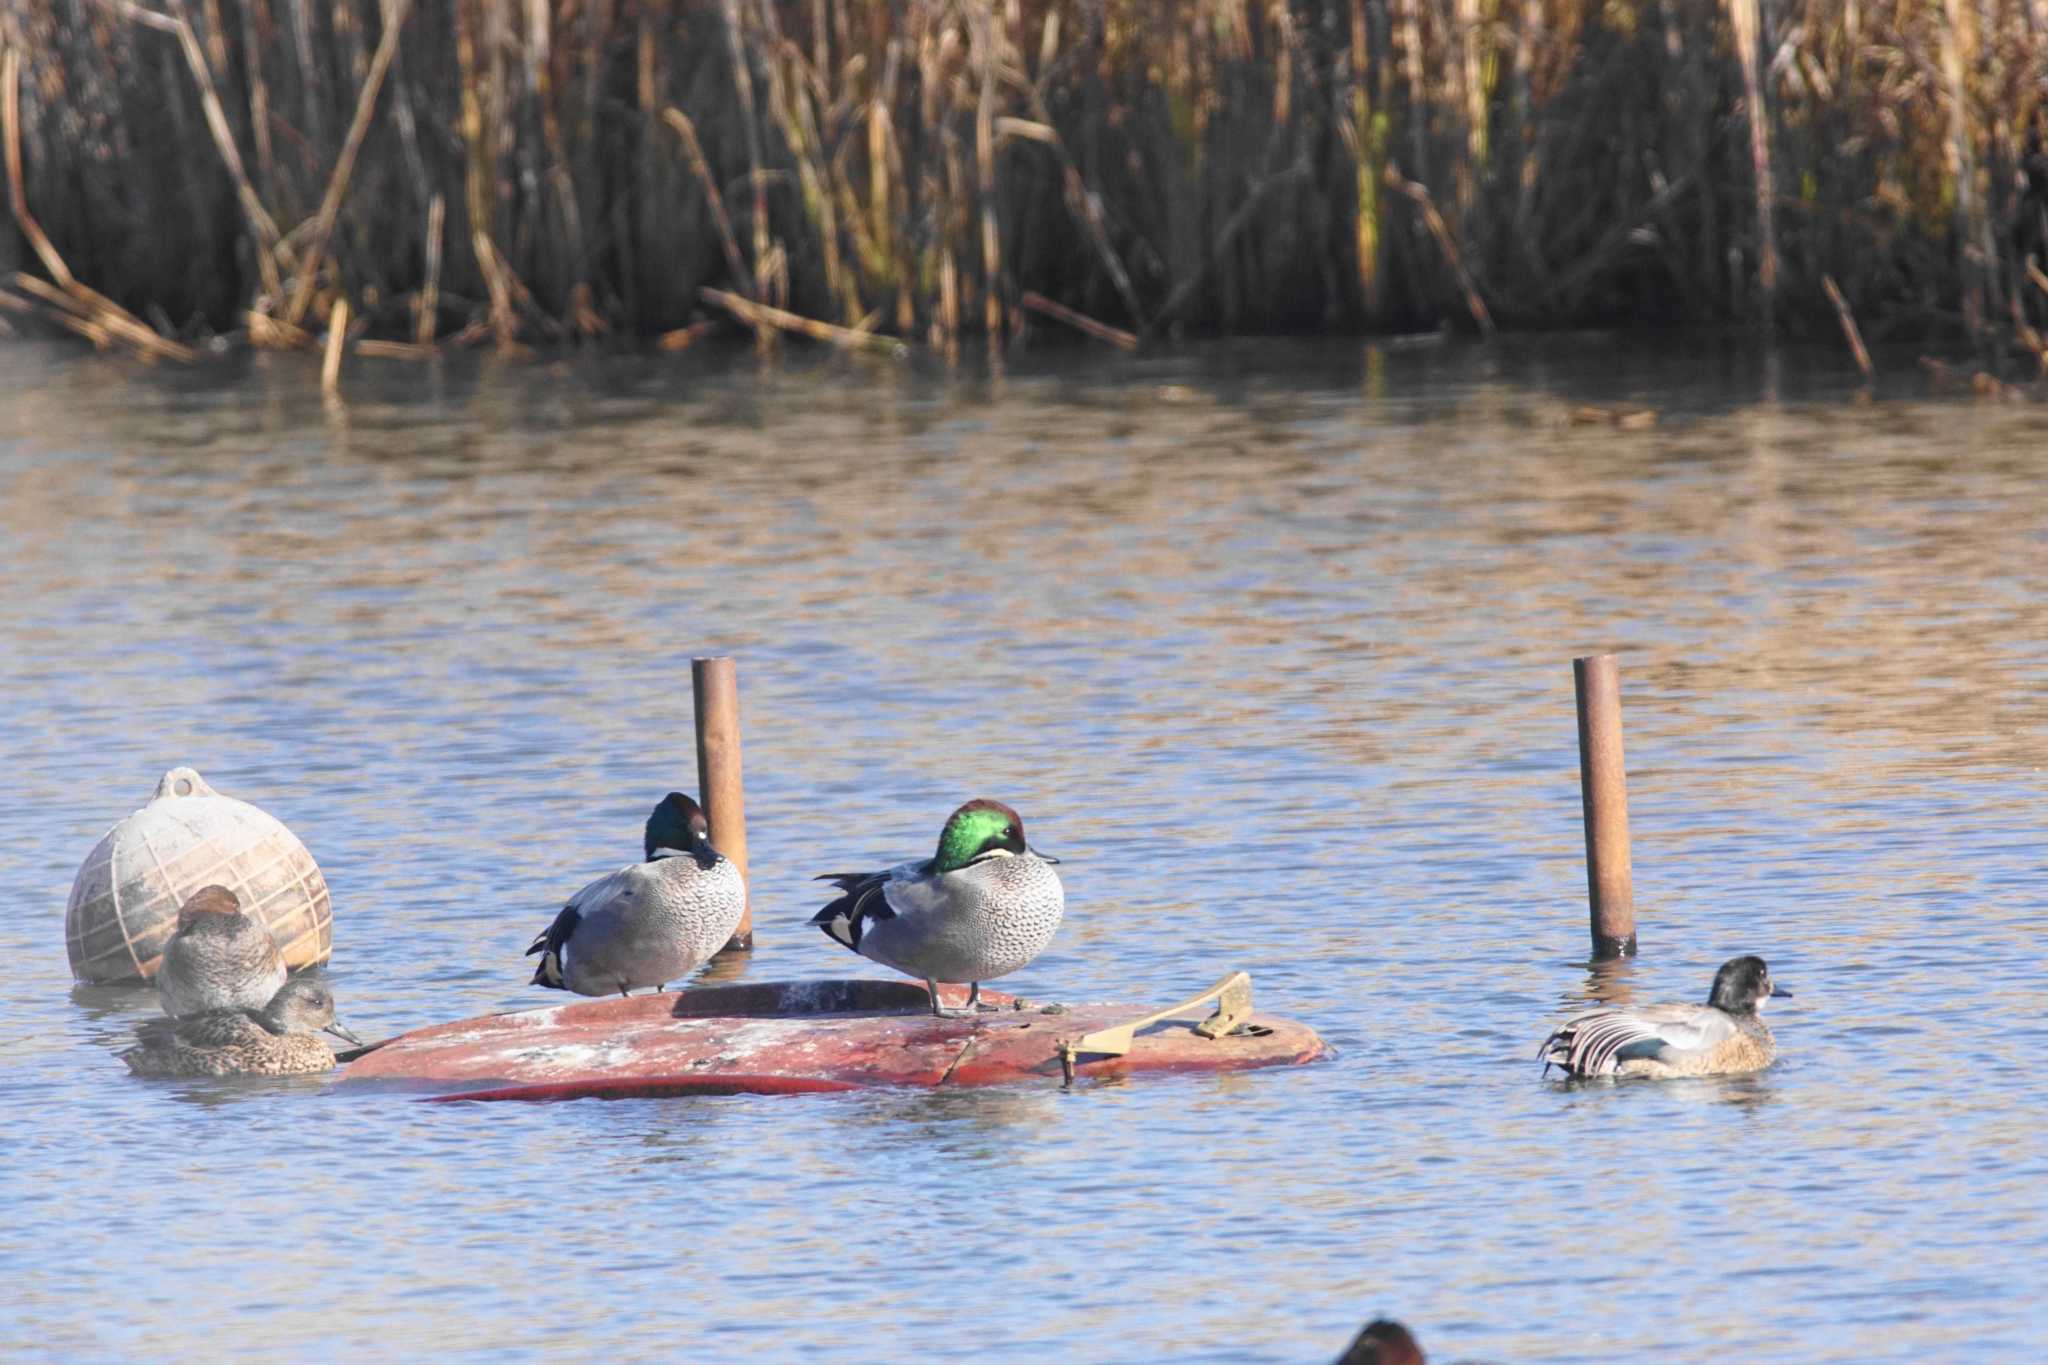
(651, 922)
(982, 906)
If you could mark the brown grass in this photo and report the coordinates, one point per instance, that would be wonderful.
(541, 172)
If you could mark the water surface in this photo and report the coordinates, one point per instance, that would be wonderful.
(1270, 643)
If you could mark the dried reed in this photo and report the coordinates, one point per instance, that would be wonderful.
(543, 171)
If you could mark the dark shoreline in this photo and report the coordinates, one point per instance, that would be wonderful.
(948, 175)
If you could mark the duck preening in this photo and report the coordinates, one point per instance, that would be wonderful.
(218, 958)
(650, 922)
(277, 1040)
(1724, 1037)
(983, 906)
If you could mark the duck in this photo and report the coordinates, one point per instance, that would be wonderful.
(218, 958)
(1382, 1342)
(650, 922)
(277, 1040)
(1724, 1037)
(983, 906)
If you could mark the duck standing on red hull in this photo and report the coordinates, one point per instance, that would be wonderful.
(648, 923)
(983, 906)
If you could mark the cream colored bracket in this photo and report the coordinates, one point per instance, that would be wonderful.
(1233, 997)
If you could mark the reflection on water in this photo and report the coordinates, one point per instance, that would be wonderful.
(1609, 981)
(1270, 643)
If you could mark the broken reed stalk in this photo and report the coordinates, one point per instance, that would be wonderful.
(682, 338)
(1084, 205)
(1115, 336)
(1474, 305)
(337, 183)
(396, 350)
(686, 131)
(762, 316)
(73, 305)
(101, 320)
(330, 365)
(17, 195)
(498, 281)
(1848, 320)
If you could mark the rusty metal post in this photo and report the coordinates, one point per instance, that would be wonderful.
(1603, 785)
(716, 685)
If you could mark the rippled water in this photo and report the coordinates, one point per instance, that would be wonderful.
(1270, 643)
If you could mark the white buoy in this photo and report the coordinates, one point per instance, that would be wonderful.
(125, 899)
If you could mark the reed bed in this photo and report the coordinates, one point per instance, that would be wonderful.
(402, 176)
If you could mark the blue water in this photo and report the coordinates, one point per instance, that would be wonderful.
(1270, 643)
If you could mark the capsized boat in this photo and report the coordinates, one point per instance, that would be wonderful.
(788, 1037)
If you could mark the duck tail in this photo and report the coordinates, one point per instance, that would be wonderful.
(549, 944)
(1556, 1050)
(846, 917)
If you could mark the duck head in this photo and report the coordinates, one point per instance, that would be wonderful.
(208, 900)
(981, 828)
(1382, 1342)
(678, 824)
(1742, 985)
(303, 1005)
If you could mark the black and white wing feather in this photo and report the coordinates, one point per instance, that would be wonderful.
(865, 900)
(1598, 1042)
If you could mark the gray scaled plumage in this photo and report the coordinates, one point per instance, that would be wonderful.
(218, 958)
(1724, 1037)
(651, 922)
(983, 906)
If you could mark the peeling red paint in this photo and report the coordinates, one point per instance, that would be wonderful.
(772, 1038)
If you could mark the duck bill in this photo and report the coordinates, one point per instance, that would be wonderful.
(340, 1031)
(702, 851)
(1043, 856)
(1779, 992)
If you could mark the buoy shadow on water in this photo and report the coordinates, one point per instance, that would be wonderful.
(785, 1037)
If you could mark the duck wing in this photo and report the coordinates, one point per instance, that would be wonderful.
(1596, 1042)
(222, 1028)
(867, 898)
(215, 1028)
(551, 942)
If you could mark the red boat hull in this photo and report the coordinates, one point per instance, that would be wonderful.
(792, 1037)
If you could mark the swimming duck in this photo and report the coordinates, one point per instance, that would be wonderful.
(648, 923)
(1724, 1037)
(277, 1040)
(217, 959)
(983, 906)
(1382, 1342)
